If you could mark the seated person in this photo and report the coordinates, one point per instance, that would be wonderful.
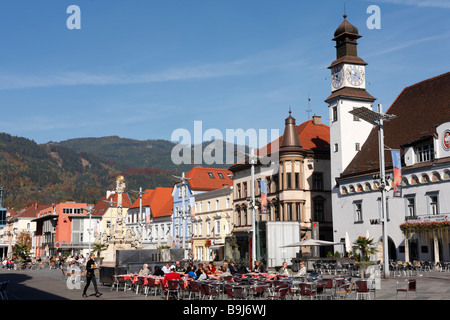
(259, 267)
(178, 267)
(232, 268)
(144, 271)
(211, 269)
(302, 270)
(172, 275)
(285, 270)
(158, 271)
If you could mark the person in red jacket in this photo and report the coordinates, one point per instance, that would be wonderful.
(172, 275)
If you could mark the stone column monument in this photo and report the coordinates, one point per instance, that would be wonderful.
(119, 239)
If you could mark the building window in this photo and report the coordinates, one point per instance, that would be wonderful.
(317, 181)
(334, 115)
(357, 146)
(228, 203)
(355, 118)
(289, 212)
(211, 175)
(244, 191)
(208, 206)
(217, 204)
(288, 182)
(217, 228)
(433, 205)
(318, 211)
(410, 207)
(424, 152)
(336, 148)
(358, 214)
(221, 175)
(298, 212)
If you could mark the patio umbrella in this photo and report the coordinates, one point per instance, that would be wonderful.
(311, 242)
(348, 244)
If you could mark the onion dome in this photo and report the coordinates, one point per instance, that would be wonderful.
(346, 27)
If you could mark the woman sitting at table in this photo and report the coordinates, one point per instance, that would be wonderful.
(202, 275)
(211, 268)
(259, 267)
(302, 270)
(191, 274)
(158, 272)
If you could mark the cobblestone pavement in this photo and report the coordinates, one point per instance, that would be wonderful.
(48, 284)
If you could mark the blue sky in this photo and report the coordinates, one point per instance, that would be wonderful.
(142, 68)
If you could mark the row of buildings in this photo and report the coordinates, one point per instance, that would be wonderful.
(322, 186)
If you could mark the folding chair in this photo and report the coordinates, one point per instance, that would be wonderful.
(410, 286)
(362, 288)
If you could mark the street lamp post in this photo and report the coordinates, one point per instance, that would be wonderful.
(141, 221)
(89, 212)
(379, 118)
(251, 158)
(110, 210)
(183, 217)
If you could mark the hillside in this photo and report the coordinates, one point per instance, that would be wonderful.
(129, 153)
(82, 169)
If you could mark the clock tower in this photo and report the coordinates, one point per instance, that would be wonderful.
(348, 91)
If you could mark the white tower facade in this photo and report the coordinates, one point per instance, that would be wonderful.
(348, 91)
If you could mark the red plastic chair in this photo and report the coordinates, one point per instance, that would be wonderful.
(306, 290)
(173, 287)
(194, 289)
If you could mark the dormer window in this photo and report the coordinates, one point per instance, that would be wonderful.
(424, 152)
(211, 175)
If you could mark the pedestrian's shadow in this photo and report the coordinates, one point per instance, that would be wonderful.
(18, 290)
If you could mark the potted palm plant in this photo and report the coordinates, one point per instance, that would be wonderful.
(98, 248)
(366, 248)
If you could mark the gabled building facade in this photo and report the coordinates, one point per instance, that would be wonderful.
(418, 215)
(104, 214)
(62, 228)
(298, 195)
(199, 180)
(152, 218)
(211, 222)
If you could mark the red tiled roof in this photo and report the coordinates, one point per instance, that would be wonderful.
(161, 202)
(31, 211)
(419, 108)
(206, 179)
(101, 207)
(145, 199)
(312, 138)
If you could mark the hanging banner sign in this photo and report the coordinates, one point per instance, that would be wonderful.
(397, 165)
(263, 186)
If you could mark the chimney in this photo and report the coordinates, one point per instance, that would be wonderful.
(317, 120)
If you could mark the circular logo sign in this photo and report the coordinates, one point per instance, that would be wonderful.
(57, 244)
(446, 140)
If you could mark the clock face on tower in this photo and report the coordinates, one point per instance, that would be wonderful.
(355, 75)
(337, 77)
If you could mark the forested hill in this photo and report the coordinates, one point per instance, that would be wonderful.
(82, 169)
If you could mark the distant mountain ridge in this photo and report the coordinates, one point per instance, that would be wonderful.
(83, 169)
